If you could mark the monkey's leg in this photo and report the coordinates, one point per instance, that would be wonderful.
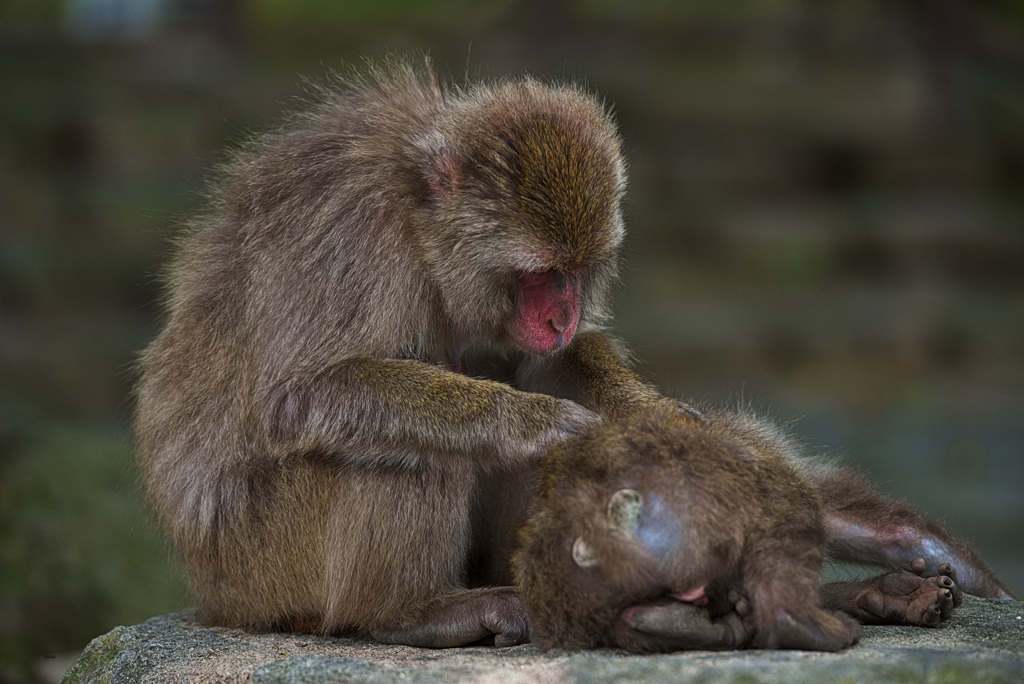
(500, 508)
(493, 608)
(904, 597)
(591, 371)
(866, 527)
(261, 566)
(398, 543)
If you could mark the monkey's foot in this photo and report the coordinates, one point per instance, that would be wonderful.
(903, 597)
(465, 617)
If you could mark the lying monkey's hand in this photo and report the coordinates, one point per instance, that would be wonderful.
(688, 626)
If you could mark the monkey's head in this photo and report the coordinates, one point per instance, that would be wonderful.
(522, 219)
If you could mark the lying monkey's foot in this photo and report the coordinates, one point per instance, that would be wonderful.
(903, 597)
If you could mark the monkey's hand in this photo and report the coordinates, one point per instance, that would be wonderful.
(904, 597)
(571, 418)
(685, 626)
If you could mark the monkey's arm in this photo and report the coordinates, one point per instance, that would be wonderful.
(591, 372)
(373, 408)
(865, 527)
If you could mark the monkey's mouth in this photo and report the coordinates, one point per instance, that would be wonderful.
(544, 340)
(695, 595)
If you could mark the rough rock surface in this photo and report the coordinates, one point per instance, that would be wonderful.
(983, 642)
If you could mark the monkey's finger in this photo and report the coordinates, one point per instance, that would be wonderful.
(916, 566)
(739, 603)
(948, 579)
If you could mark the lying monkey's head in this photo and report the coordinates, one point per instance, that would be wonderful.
(627, 513)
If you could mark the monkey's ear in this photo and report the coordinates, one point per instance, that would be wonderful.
(443, 175)
(582, 554)
(624, 510)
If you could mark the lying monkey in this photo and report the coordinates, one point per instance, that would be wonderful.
(668, 533)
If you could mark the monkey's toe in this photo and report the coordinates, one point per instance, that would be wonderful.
(947, 574)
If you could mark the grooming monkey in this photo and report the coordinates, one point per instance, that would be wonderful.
(661, 534)
(392, 307)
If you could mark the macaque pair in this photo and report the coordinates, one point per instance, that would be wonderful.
(392, 308)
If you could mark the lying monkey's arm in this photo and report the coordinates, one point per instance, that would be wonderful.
(592, 372)
(375, 406)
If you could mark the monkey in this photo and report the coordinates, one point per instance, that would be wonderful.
(391, 307)
(350, 335)
(663, 534)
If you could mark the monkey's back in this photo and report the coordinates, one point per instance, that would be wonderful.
(281, 274)
(259, 283)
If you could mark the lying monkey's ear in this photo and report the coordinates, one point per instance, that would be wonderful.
(624, 509)
(582, 554)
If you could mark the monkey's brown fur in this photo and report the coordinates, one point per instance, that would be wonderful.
(717, 506)
(393, 305)
(637, 526)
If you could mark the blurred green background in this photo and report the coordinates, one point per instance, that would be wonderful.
(826, 213)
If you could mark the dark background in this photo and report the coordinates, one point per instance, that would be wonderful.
(826, 213)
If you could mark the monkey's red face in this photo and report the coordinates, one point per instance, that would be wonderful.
(547, 310)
